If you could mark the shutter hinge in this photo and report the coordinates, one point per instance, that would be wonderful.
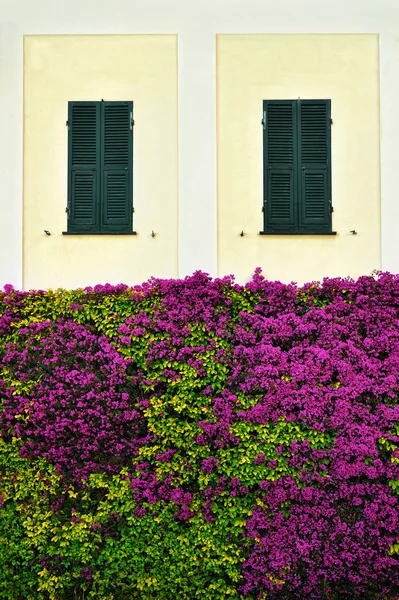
(133, 209)
(264, 120)
(131, 121)
(67, 124)
(331, 121)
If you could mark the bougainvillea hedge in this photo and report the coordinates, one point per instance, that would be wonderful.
(200, 439)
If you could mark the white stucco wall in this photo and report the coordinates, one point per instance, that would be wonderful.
(196, 25)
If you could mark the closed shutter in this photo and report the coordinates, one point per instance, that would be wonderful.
(314, 129)
(83, 166)
(279, 165)
(117, 166)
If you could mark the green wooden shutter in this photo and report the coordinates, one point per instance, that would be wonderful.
(117, 166)
(279, 165)
(314, 129)
(83, 166)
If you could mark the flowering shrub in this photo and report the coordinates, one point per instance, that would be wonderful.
(200, 439)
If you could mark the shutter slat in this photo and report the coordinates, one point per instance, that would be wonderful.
(280, 193)
(84, 192)
(313, 188)
(116, 134)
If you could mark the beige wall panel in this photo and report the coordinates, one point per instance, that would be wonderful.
(253, 68)
(58, 69)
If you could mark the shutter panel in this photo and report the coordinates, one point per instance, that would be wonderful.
(314, 128)
(279, 166)
(83, 166)
(117, 166)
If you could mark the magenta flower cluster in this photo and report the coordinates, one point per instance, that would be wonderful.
(74, 405)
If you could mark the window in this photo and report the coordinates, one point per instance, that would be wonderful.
(297, 167)
(100, 167)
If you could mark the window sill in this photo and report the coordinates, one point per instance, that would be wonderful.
(297, 233)
(98, 233)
